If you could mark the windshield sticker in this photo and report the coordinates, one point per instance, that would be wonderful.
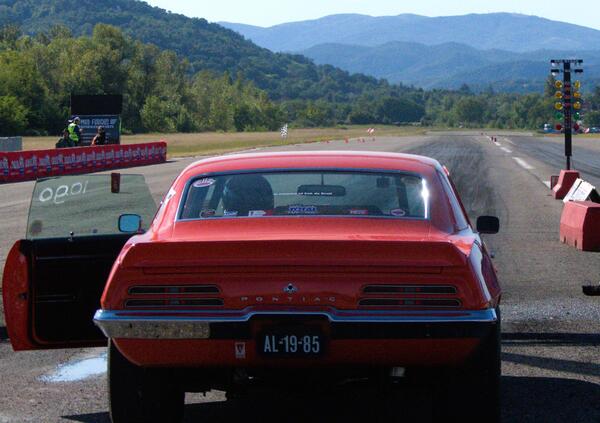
(208, 213)
(359, 212)
(230, 213)
(300, 209)
(257, 213)
(61, 193)
(398, 212)
(203, 183)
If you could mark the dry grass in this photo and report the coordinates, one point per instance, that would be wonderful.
(180, 145)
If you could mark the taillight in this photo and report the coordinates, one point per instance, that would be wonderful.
(173, 296)
(409, 289)
(410, 296)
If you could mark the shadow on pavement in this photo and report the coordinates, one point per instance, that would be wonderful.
(532, 338)
(525, 399)
(89, 418)
(537, 399)
(570, 366)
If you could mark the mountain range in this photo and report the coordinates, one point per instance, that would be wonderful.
(339, 57)
(206, 46)
(450, 65)
(504, 31)
(507, 52)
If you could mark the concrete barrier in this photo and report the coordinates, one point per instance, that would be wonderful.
(11, 143)
(34, 164)
(580, 225)
(566, 179)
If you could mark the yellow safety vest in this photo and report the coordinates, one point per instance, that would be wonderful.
(72, 134)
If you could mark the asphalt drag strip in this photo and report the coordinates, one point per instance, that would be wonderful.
(551, 333)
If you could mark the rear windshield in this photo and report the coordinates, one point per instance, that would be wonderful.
(86, 205)
(307, 193)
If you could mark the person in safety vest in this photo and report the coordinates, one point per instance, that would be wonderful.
(75, 132)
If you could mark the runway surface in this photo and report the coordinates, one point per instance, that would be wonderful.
(551, 333)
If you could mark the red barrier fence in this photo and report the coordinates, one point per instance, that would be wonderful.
(580, 225)
(34, 164)
(566, 180)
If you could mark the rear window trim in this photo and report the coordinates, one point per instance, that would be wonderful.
(193, 179)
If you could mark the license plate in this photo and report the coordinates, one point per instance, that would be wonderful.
(291, 343)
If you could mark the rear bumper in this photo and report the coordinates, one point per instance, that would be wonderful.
(238, 325)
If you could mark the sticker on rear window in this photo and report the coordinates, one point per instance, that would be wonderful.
(208, 213)
(203, 183)
(361, 212)
(299, 209)
(398, 212)
(257, 213)
(230, 213)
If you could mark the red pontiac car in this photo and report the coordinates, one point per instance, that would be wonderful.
(264, 266)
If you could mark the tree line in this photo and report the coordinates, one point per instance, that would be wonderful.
(162, 93)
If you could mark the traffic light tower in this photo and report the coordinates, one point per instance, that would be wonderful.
(569, 100)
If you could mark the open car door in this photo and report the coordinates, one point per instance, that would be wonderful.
(54, 278)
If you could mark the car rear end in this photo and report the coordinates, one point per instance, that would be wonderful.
(295, 267)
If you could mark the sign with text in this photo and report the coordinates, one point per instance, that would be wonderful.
(35, 164)
(581, 191)
(111, 124)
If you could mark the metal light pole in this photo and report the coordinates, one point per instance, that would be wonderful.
(569, 99)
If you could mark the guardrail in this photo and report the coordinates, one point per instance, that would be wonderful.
(34, 164)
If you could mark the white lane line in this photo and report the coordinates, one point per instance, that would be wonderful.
(523, 163)
(506, 150)
(547, 183)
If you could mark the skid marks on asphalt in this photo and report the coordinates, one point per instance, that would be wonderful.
(469, 165)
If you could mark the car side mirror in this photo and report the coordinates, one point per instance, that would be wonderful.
(130, 223)
(488, 224)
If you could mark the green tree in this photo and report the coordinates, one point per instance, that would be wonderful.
(13, 116)
(592, 118)
(399, 110)
(159, 115)
(469, 110)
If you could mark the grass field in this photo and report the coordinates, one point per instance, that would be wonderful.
(180, 145)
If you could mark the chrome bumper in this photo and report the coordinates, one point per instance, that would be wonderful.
(160, 324)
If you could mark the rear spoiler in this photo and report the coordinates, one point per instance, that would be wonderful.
(190, 254)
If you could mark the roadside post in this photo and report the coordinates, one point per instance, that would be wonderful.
(284, 132)
(567, 111)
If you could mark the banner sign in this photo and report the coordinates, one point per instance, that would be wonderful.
(89, 125)
(34, 164)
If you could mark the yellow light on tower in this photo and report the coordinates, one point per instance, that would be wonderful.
(577, 84)
(558, 85)
(558, 105)
(577, 105)
(558, 94)
(577, 94)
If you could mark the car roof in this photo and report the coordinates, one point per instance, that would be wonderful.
(313, 159)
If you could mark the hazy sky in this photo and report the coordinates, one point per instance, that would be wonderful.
(272, 12)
